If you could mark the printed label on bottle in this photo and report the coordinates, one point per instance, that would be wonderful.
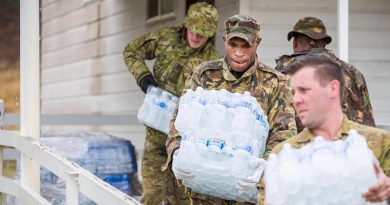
(216, 142)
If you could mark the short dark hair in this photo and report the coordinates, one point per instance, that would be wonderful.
(313, 43)
(326, 68)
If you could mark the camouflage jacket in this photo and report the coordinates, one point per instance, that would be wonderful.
(378, 141)
(265, 84)
(175, 59)
(356, 102)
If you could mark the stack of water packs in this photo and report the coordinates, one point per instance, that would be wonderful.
(223, 137)
(110, 158)
(321, 172)
(157, 109)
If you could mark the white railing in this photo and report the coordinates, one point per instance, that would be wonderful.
(77, 179)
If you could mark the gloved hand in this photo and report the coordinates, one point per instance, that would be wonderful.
(146, 81)
(179, 173)
(247, 183)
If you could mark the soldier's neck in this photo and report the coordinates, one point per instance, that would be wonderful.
(330, 127)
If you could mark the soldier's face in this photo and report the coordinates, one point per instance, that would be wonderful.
(240, 55)
(196, 40)
(311, 100)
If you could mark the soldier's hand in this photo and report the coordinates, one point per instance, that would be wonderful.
(146, 81)
(381, 190)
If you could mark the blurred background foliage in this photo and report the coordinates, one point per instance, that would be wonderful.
(9, 54)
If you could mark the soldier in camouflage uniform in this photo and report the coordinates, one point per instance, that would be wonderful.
(177, 50)
(310, 36)
(317, 84)
(241, 71)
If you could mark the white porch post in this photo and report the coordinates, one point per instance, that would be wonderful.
(342, 29)
(244, 7)
(29, 86)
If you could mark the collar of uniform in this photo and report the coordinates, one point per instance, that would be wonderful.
(345, 128)
(307, 135)
(227, 75)
(319, 50)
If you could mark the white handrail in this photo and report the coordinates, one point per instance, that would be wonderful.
(24, 193)
(77, 179)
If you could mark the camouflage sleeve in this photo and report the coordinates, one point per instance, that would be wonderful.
(279, 64)
(368, 117)
(385, 158)
(283, 63)
(139, 50)
(281, 116)
(173, 140)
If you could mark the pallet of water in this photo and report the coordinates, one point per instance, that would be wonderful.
(110, 158)
(223, 138)
(322, 172)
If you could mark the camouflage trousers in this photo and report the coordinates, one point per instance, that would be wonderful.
(201, 199)
(159, 187)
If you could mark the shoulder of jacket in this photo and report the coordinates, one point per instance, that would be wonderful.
(273, 72)
(169, 29)
(166, 31)
(363, 129)
(209, 65)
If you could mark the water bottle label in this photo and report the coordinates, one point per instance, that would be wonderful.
(216, 142)
(244, 104)
(244, 147)
(202, 141)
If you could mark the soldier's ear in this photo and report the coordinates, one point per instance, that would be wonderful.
(334, 89)
(258, 40)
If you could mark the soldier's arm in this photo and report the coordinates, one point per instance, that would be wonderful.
(368, 117)
(381, 190)
(281, 116)
(173, 140)
(385, 165)
(385, 158)
(139, 50)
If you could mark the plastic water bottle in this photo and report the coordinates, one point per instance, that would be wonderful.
(242, 125)
(220, 143)
(321, 172)
(196, 108)
(259, 136)
(162, 121)
(148, 112)
(216, 121)
(157, 109)
(184, 110)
